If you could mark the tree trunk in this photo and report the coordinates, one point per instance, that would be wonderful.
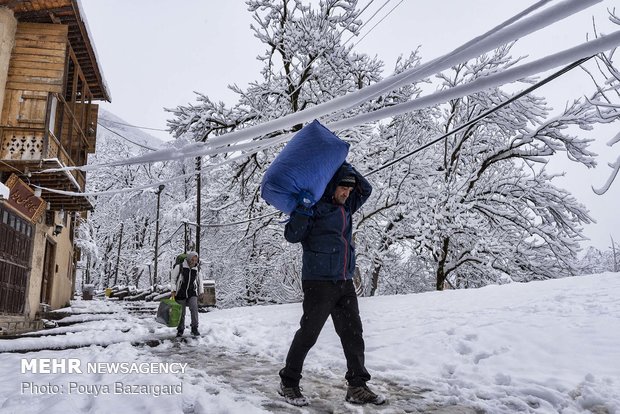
(441, 275)
(615, 256)
(386, 242)
(375, 277)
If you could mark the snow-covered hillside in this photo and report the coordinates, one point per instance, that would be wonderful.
(540, 347)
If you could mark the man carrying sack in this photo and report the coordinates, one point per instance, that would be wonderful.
(325, 233)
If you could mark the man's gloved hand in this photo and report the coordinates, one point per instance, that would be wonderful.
(304, 203)
(304, 198)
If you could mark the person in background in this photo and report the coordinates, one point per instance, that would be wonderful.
(325, 233)
(187, 283)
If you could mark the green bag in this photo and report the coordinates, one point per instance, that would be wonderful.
(169, 312)
(179, 259)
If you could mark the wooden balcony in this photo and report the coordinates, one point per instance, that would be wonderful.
(62, 138)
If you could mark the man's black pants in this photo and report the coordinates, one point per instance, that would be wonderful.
(322, 299)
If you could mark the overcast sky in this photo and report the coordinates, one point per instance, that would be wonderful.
(155, 54)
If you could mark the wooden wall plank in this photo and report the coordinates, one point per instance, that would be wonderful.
(42, 29)
(33, 64)
(15, 73)
(38, 37)
(41, 80)
(39, 44)
(57, 60)
(17, 50)
(34, 87)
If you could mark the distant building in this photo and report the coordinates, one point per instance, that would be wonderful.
(49, 78)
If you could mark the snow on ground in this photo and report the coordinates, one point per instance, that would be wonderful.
(540, 347)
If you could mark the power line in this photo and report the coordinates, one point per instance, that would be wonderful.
(376, 24)
(127, 139)
(136, 126)
(500, 35)
(484, 114)
(241, 221)
(454, 131)
(367, 21)
(462, 47)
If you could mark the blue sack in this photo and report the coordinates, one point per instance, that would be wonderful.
(307, 162)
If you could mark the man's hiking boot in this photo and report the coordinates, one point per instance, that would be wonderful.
(293, 395)
(363, 395)
(179, 334)
(195, 332)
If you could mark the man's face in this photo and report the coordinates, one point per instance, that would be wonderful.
(341, 194)
(193, 261)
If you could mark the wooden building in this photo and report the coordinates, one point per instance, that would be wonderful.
(49, 81)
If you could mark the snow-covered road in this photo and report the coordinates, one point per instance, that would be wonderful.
(541, 347)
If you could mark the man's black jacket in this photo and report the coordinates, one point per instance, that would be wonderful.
(328, 251)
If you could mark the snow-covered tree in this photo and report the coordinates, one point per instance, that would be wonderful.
(479, 207)
(597, 261)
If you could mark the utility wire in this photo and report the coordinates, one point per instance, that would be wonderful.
(464, 46)
(415, 151)
(135, 126)
(484, 114)
(440, 138)
(454, 131)
(377, 24)
(240, 222)
(127, 139)
(348, 40)
(367, 21)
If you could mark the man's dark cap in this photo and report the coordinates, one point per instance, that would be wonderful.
(348, 181)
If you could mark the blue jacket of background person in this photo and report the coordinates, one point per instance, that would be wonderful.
(326, 232)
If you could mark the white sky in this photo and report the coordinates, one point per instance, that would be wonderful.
(539, 347)
(154, 55)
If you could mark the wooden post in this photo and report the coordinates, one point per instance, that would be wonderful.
(198, 196)
(161, 188)
(118, 254)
